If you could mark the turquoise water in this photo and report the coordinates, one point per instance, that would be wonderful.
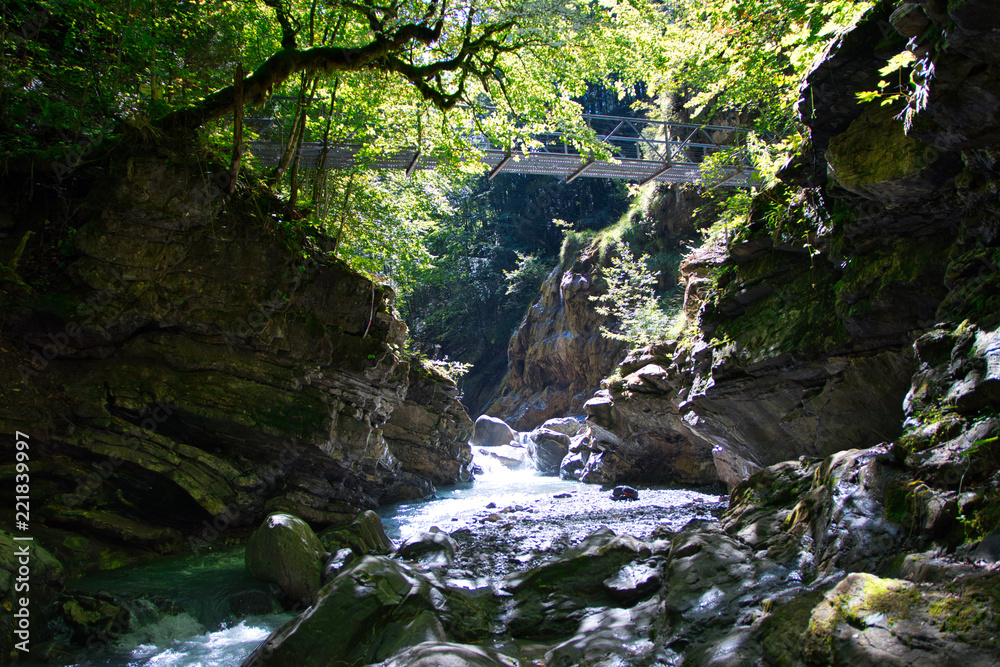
(219, 613)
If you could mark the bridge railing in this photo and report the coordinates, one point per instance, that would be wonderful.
(635, 149)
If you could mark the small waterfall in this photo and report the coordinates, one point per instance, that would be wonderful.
(504, 464)
(505, 475)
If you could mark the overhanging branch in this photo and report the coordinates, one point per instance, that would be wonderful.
(320, 60)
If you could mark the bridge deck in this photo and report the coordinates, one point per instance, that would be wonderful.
(641, 151)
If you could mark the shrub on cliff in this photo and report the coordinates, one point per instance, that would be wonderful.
(631, 300)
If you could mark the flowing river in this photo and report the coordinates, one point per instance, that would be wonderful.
(204, 610)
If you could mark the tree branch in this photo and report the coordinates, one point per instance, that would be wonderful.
(380, 54)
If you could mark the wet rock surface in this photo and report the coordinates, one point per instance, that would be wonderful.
(804, 567)
(511, 538)
(285, 551)
(530, 571)
(182, 375)
(492, 432)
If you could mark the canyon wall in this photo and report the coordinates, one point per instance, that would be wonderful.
(185, 363)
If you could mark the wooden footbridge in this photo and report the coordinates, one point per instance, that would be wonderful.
(640, 150)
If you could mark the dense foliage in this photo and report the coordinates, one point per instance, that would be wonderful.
(631, 301)
(488, 260)
(465, 255)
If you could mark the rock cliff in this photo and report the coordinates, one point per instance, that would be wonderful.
(557, 357)
(186, 363)
(813, 330)
(875, 234)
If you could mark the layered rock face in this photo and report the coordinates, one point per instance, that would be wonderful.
(558, 355)
(183, 366)
(809, 334)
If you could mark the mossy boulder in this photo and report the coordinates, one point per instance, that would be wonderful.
(285, 551)
(871, 621)
(365, 535)
(374, 609)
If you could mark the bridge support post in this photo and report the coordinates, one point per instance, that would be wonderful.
(503, 163)
(413, 164)
(666, 167)
(579, 172)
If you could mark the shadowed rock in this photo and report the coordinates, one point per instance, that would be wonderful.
(547, 449)
(285, 551)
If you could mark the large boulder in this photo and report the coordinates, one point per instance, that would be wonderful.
(492, 432)
(364, 535)
(605, 570)
(547, 449)
(375, 609)
(637, 431)
(286, 552)
(870, 621)
(565, 425)
(434, 548)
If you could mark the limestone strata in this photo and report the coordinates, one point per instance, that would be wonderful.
(430, 431)
(192, 367)
(558, 355)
